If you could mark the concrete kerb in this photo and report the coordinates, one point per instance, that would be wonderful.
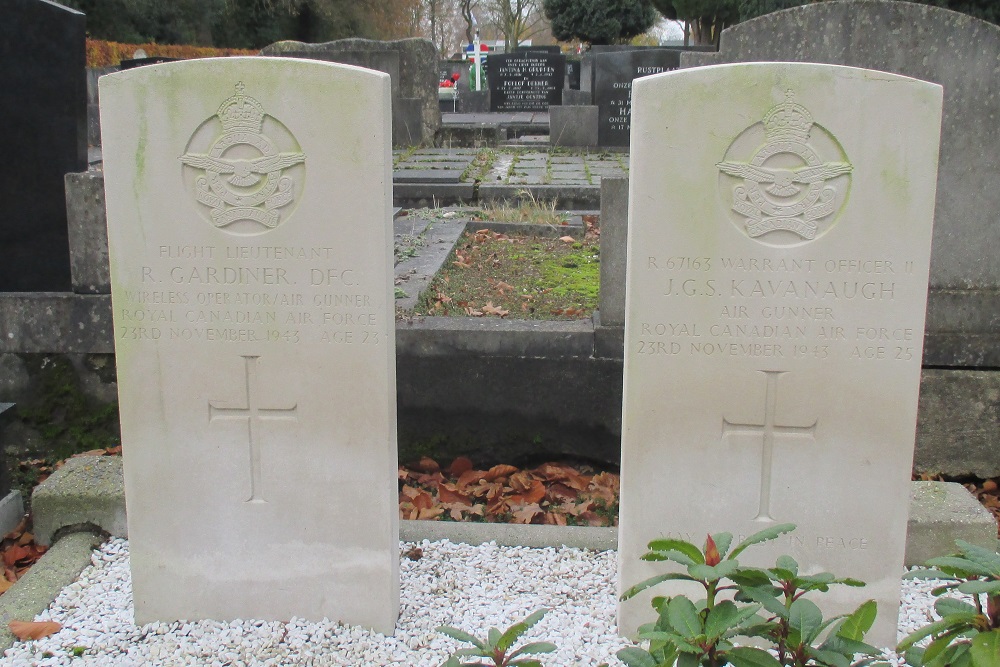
(566, 197)
(87, 491)
(36, 590)
(940, 513)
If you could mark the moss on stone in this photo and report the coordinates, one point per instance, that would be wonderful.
(67, 418)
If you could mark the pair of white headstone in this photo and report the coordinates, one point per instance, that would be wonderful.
(779, 234)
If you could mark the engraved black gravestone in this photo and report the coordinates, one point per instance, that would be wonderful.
(526, 81)
(613, 75)
(43, 106)
(573, 74)
(553, 49)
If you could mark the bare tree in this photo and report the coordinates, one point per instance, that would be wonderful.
(516, 20)
(465, 8)
(440, 21)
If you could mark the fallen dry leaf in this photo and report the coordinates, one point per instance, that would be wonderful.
(470, 477)
(447, 493)
(499, 471)
(533, 495)
(554, 519)
(490, 309)
(427, 465)
(92, 452)
(520, 481)
(527, 514)
(25, 630)
(459, 466)
(15, 553)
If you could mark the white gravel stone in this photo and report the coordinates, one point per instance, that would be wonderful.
(469, 587)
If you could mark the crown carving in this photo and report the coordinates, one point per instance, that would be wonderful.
(241, 113)
(788, 121)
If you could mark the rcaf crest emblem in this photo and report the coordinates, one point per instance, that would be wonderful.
(245, 179)
(792, 181)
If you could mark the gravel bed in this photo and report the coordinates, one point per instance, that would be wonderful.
(470, 587)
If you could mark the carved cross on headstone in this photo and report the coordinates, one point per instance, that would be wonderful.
(769, 430)
(253, 414)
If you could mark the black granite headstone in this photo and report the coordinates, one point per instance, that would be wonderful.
(613, 75)
(526, 81)
(573, 74)
(43, 106)
(553, 49)
(444, 70)
(447, 68)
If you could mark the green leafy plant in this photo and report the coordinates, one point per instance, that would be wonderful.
(766, 603)
(968, 634)
(498, 646)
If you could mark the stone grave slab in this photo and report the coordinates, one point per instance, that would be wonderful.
(528, 81)
(415, 91)
(434, 164)
(250, 244)
(427, 175)
(614, 72)
(43, 103)
(778, 253)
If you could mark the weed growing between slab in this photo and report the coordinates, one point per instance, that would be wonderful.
(523, 277)
(526, 209)
(479, 167)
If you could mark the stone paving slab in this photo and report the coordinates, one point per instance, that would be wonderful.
(435, 243)
(495, 118)
(427, 176)
(433, 164)
(419, 181)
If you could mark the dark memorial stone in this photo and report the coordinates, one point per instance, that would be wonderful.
(573, 74)
(553, 49)
(43, 105)
(613, 76)
(380, 61)
(525, 81)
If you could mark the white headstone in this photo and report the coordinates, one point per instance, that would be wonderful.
(779, 239)
(250, 242)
